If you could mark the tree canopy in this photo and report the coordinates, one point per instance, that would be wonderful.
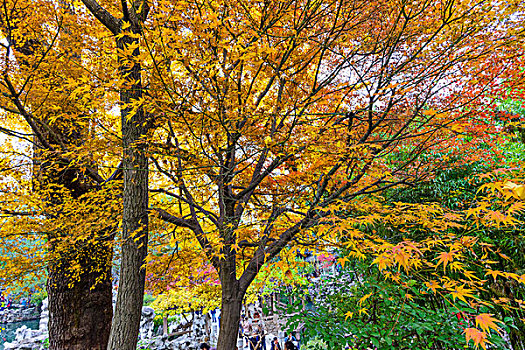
(268, 125)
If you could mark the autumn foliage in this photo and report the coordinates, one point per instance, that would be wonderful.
(268, 125)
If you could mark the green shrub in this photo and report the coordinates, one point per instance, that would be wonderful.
(148, 299)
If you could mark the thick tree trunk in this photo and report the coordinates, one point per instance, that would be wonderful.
(79, 280)
(80, 309)
(231, 303)
(230, 318)
(126, 322)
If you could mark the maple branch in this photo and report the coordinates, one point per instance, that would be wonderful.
(106, 18)
(17, 134)
(257, 178)
(195, 227)
(139, 12)
(117, 174)
(262, 255)
(246, 244)
(276, 212)
(92, 173)
(213, 218)
(198, 230)
(17, 213)
(125, 10)
(27, 116)
(172, 219)
(189, 200)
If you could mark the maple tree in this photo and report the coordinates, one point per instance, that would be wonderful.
(276, 117)
(453, 254)
(49, 86)
(58, 183)
(266, 123)
(135, 122)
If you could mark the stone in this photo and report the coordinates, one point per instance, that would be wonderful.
(146, 323)
(22, 333)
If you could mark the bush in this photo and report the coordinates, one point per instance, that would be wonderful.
(38, 297)
(148, 299)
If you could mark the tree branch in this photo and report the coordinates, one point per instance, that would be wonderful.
(213, 218)
(106, 18)
(172, 219)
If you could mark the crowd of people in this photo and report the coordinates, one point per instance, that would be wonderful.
(6, 302)
(288, 345)
(252, 331)
(255, 334)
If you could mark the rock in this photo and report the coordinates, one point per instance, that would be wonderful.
(31, 339)
(22, 333)
(146, 323)
(44, 316)
(18, 314)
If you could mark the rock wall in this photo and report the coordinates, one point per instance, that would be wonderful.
(32, 339)
(18, 314)
(186, 333)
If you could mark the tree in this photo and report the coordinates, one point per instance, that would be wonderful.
(59, 209)
(475, 254)
(275, 116)
(63, 131)
(265, 121)
(135, 120)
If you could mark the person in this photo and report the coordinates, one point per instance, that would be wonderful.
(291, 338)
(253, 338)
(205, 346)
(275, 344)
(261, 335)
(289, 345)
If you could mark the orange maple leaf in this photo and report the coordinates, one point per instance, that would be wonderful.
(477, 336)
(486, 322)
(445, 258)
(493, 273)
(433, 285)
(460, 292)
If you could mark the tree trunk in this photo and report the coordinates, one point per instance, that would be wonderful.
(80, 305)
(80, 310)
(126, 322)
(230, 318)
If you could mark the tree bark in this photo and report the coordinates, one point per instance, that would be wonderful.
(80, 307)
(230, 317)
(79, 284)
(231, 303)
(126, 322)
(80, 310)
